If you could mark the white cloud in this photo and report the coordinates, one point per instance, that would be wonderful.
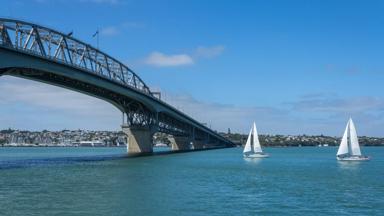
(328, 113)
(112, 2)
(332, 103)
(132, 24)
(61, 108)
(209, 52)
(223, 116)
(162, 60)
(110, 31)
(39, 94)
(35, 106)
(299, 117)
(117, 29)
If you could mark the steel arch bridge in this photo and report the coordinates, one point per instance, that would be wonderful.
(42, 54)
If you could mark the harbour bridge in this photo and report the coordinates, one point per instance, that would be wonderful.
(45, 55)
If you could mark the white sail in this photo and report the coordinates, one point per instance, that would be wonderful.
(256, 143)
(343, 148)
(354, 142)
(248, 147)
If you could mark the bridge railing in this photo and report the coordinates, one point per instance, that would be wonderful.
(60, 47)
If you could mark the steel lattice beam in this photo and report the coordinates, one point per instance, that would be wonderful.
(57, 46)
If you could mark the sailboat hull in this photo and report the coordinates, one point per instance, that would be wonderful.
(256, 155)
(353, 158)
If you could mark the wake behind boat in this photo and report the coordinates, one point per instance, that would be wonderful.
(253, 140)
(349, 149)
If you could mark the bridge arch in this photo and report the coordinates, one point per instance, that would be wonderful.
(52, 57)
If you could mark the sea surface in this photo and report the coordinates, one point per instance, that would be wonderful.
(103, 181)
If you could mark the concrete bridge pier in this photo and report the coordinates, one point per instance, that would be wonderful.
(139, 140)
(180, 143)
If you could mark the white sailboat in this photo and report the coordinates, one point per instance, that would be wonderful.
(349, 149)
(253, 140)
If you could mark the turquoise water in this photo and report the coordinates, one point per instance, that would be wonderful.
(100, 181)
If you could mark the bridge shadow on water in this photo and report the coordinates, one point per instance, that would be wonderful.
(25, 163)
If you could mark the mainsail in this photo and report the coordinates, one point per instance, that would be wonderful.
(343, 148)
(354, 142)
(256, 143)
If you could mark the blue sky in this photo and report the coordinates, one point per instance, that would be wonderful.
(294, 67)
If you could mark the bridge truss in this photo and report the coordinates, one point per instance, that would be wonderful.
(63, 48)
(54, 46)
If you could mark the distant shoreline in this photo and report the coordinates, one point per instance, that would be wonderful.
(84, 138)
(301, 140)
(238, 146)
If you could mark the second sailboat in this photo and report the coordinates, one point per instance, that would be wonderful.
(253, 141)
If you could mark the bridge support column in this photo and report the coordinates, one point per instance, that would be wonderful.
(180, 143)
(138, 140)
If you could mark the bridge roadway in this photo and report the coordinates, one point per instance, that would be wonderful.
(42, 54)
